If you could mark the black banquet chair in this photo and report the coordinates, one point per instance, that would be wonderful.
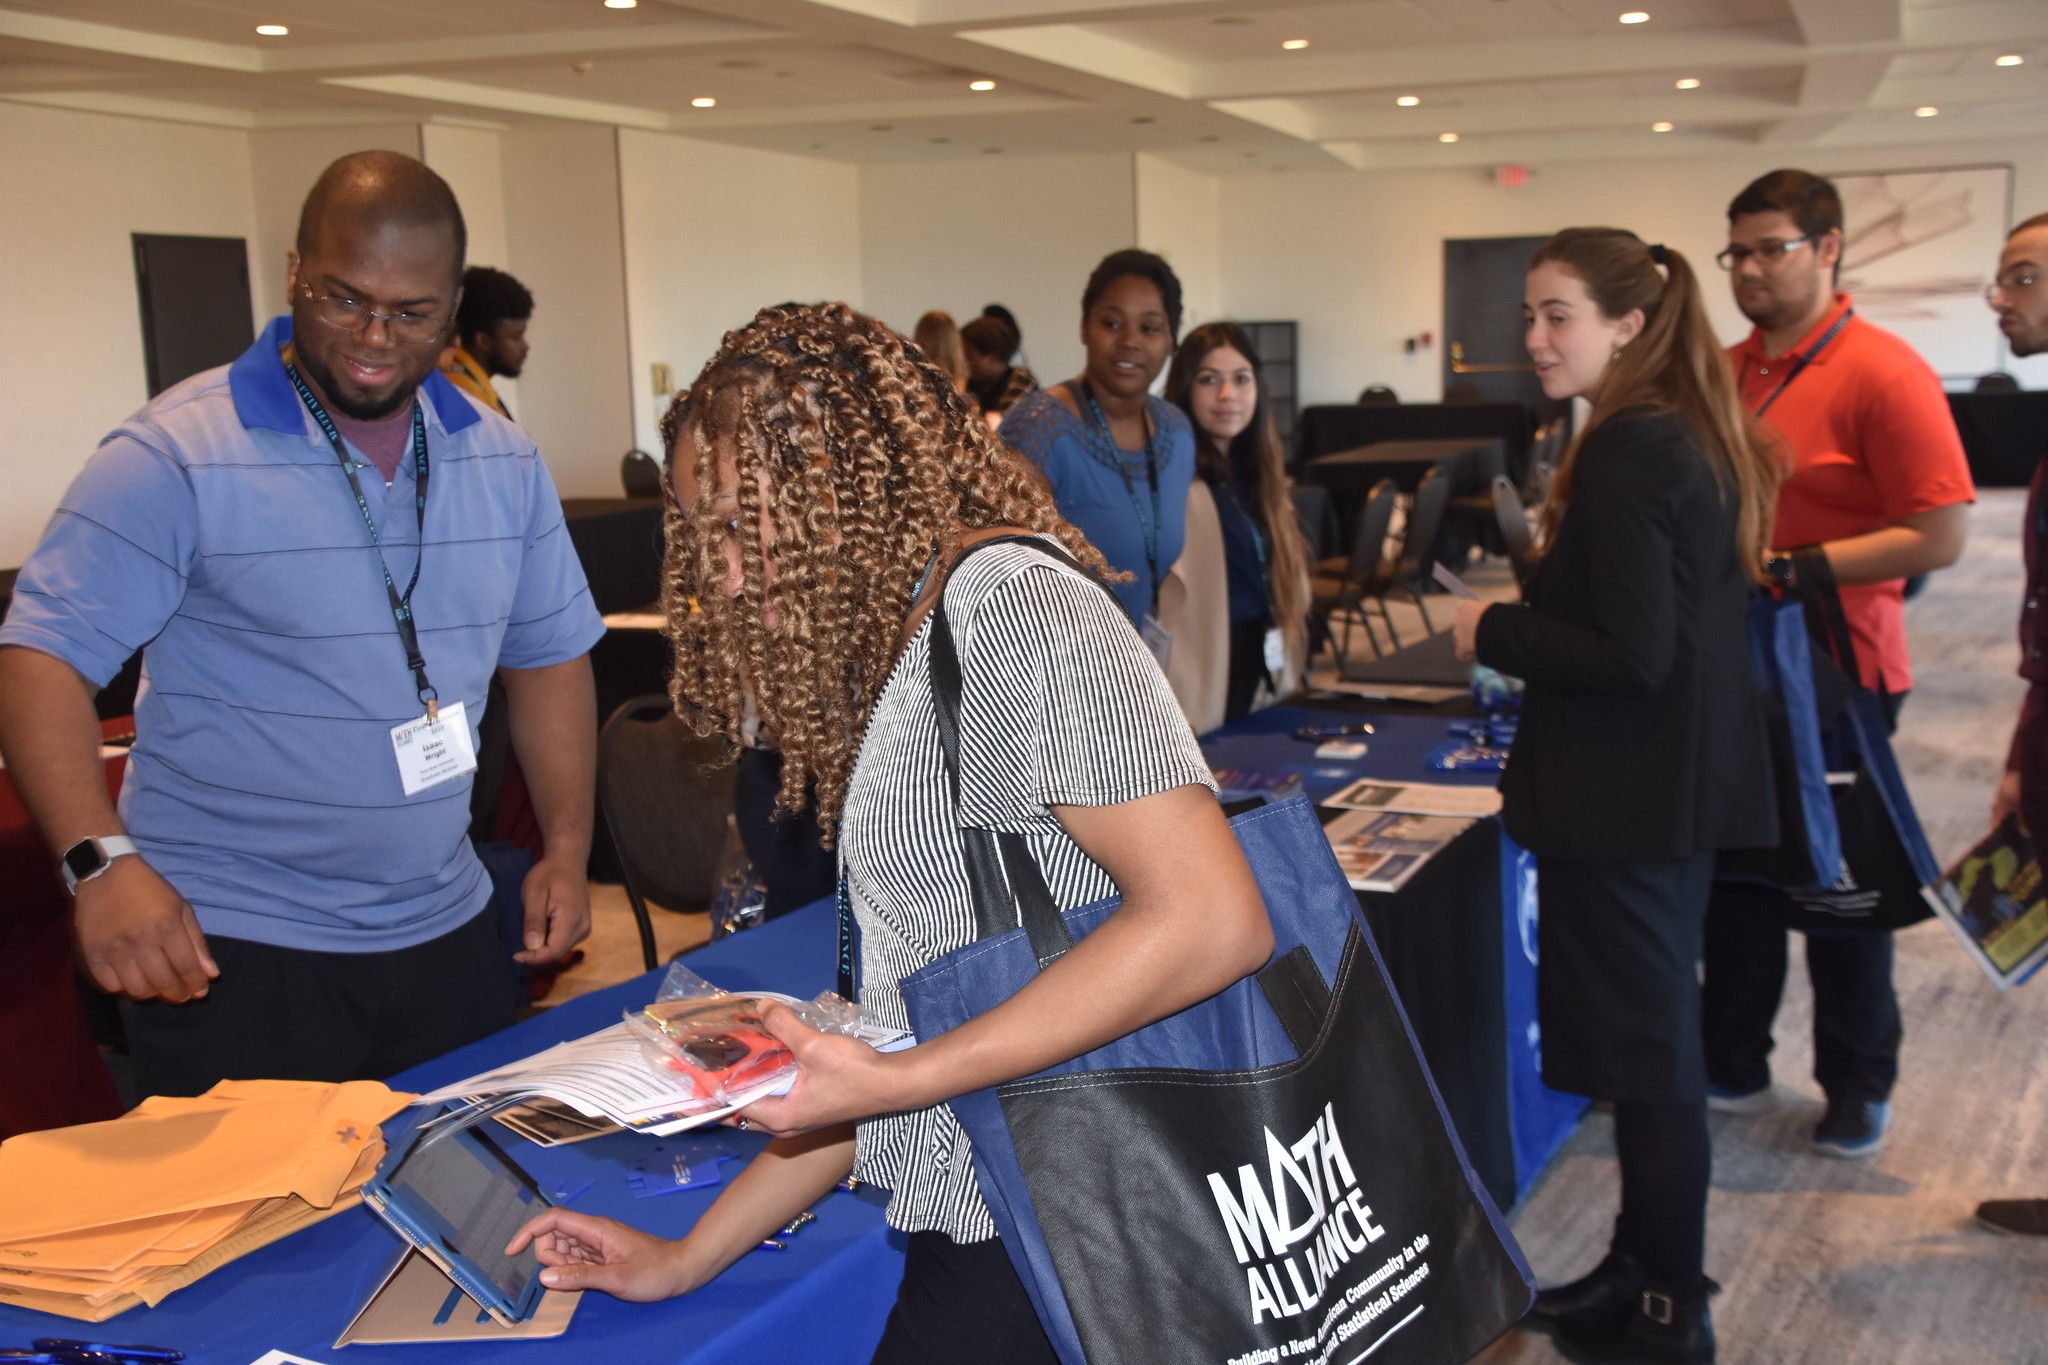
(666, 795)
(1342, 586)
(640, 474)
(1378, 396)
(1513, 521)
(1409, 572)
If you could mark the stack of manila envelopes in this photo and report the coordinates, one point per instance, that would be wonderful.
(103, 1216)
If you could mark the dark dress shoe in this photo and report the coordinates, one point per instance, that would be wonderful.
(1612, 1287)
(1668, 1326)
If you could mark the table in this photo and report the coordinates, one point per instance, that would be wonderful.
(1459, 941)
(1469, 462)
(619, 541)
(824, 1300)
(54, 1074)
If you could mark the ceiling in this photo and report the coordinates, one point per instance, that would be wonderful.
(1232, 88)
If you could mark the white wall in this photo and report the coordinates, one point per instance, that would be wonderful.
(71, 364)
(562, 241)
(1023, 232)
(283, 164)
(1357, 259)
(468, 159)
(1179, 216)
(713, 234)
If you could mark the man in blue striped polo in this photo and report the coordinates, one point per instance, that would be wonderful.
(324, 552)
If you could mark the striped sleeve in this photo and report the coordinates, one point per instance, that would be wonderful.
(1061, 702)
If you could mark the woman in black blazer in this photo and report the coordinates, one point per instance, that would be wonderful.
(1641, 748)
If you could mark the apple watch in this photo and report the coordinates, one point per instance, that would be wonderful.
(88, 858)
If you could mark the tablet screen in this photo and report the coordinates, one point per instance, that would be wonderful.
(475, 1199)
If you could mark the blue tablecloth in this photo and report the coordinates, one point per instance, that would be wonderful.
(823, 1300)
(1533, 1120)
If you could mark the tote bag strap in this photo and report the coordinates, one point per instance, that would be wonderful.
(1817, 588)
(1000, 902)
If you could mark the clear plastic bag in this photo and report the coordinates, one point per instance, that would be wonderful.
(739, 898)
(717, 1042)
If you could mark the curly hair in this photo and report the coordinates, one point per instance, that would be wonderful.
(865, 465)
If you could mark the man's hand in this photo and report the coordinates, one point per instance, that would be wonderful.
(557, 900)
(139, 938)
(2007, 802)
(583, 1252)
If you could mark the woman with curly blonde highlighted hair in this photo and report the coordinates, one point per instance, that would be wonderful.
(831, 490)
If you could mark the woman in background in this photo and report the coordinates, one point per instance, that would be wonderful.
(1216, 381)
(1119, 460)
(995, 380)
(1641, 749)
(939, 339)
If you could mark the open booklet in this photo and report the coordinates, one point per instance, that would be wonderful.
(612, 1075)
(1993, 901)
(1380, 850)
(1418, 798)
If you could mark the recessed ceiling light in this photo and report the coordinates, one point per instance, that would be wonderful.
(703, 102)
(1408, 101)
(1294, 44)
(1636, 16)
(621, 4)
(1689, 83)
(272, 30)
(583, 66)
(2009, 59)
(981, 85)
(1446, 137)
(1925, 111)
(1660, 126)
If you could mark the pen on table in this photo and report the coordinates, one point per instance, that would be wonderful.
(1451, 583)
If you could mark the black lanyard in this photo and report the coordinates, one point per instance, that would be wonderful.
(401, 606)
(1800, 363)
(1116, 462)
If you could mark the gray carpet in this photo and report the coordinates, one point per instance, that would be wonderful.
(1830, 1261)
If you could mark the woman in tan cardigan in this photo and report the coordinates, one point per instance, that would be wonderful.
(1238, 595)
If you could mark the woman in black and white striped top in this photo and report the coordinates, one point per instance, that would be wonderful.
(826, 480)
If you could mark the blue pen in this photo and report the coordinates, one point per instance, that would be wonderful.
(90, 1351)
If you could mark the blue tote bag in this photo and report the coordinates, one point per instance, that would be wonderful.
(1809, 850)
(1267, 1175)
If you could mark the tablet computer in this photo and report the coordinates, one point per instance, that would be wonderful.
(458, 1198)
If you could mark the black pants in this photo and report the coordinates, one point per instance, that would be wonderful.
(787, 851)
(288, 1014)
(961, 1301)
(1856, 1025)
(1247, 667)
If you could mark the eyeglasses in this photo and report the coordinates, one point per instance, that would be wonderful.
(350, 315)
(2011, 282)
(1770, 253)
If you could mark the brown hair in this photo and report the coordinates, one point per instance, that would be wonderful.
(1676, 365)
(1258, 448)
(939, 339)
(866, 463)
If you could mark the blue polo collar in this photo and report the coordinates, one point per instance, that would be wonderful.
(264, 396)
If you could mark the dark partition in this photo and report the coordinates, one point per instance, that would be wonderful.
(2004, 434)
(194, 296)
(1333, 427)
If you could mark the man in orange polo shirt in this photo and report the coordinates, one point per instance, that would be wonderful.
(1879, 483)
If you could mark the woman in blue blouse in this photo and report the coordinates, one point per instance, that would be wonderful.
(1119, 461)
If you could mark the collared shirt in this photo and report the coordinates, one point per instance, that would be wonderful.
(215, 531)
(1871, 441)
(467, 373)
(1112, 506)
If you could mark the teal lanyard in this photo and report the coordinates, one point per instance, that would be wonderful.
(1116, 462)
(401, 604)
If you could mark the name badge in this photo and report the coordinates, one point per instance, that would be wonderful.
(431, 752)
(1276, 653)
(1158, 638)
